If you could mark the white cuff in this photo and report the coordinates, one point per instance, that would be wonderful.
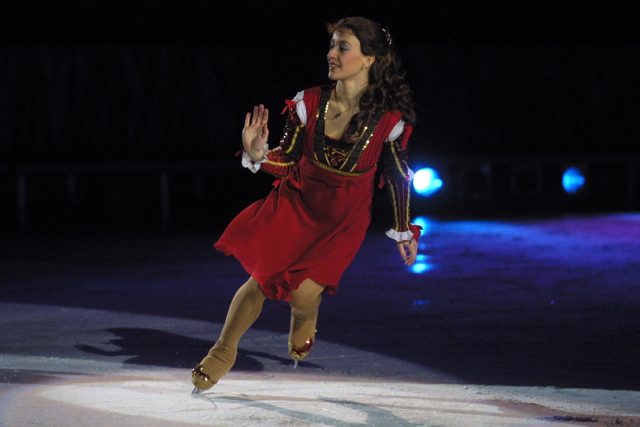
(399, 236)
(249, 164)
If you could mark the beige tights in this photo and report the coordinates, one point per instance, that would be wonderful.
(304, 303)
(243, 312)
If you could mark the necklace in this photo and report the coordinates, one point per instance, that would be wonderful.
(339, 101)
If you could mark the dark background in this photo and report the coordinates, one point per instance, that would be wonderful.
(100, 99)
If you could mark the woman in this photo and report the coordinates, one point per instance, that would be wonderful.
(297, 242)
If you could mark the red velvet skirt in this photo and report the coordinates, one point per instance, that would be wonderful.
(311, 226)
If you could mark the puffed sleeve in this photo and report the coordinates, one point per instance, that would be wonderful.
(284, 157)
(397, 177)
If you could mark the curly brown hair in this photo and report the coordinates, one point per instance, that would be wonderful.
(387, 89)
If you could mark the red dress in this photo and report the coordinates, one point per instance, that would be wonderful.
(312, 224)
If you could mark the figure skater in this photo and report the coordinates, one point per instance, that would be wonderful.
(297, 241)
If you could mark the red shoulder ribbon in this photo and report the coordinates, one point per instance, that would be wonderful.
(289, 105)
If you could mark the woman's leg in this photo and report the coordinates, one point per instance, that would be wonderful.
(243, 311)
(304, 303)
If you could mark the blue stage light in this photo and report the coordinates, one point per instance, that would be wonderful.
(573, 180)
(420, 304)
(420, 267)
(422, 264)
(427, 181)
(423, 222)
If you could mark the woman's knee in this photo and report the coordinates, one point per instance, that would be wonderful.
(253, 287)
(307, 297)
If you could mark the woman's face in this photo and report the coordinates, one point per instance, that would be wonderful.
(345, 59)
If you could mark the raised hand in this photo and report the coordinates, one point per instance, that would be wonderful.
(255, 132)
(412, 247)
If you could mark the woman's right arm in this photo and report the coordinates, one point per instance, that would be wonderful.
(281, 160)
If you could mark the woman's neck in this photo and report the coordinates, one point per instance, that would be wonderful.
(349, 92)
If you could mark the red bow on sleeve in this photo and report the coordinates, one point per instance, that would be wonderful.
(289, 105)
(416, 231)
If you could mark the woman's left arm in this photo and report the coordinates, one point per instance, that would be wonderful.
(398, 176)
